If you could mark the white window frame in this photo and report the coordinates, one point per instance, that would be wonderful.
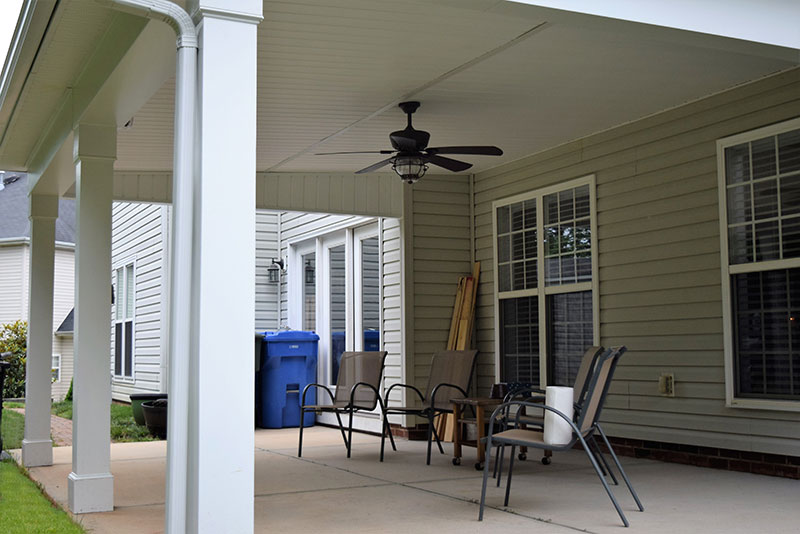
(56, 367)
(123, 378)
(351, 237)
(542, 289)
(731, 400)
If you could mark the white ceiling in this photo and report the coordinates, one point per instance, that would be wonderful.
(486, 71)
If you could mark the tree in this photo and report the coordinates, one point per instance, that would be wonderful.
(14, 339)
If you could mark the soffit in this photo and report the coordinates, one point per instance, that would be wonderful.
(73, 32)
(330, 74)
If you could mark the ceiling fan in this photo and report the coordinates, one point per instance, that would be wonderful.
(411, 154)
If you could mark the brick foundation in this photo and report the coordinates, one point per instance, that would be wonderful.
(777, 465)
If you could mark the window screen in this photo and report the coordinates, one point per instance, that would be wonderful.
(520, 339)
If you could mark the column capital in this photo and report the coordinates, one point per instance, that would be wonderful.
(95, 141)
(43, 207)
(247, 11)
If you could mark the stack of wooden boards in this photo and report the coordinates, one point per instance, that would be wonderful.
(461, 327)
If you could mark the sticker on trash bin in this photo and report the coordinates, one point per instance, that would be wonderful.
(294, 346)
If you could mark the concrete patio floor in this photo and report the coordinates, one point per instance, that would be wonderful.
(326, 492)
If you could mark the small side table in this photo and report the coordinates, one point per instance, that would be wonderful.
(479, 404)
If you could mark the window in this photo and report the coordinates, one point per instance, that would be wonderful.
(124, 294)
(759, 181)
(56, 368)
(546, 298)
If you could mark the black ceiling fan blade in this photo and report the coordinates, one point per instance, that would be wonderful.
(375, 166)
(476, 150)
(447, 163)
(357, 152)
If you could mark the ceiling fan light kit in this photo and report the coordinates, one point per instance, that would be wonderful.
(412, 155)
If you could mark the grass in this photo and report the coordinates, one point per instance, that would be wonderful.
(13, 430)
(14, 405)
(123, 427)
(25, 510)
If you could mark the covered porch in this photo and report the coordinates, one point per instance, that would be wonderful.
(326, 492)
(89, 110)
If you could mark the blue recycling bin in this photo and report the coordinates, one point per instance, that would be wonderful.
(289, 364)
(372, 340)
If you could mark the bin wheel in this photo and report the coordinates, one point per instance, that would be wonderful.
(546, 460)
(456, 461)
(478, 466)
(522, 456)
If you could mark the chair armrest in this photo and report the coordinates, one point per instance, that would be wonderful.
(511, 395)
(356, 386)
(507, 405)
(305, 389)
(441, 385)
(409, 386)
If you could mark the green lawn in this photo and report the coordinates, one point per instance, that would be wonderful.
(13, 430)
(123, 427)
(23, 508)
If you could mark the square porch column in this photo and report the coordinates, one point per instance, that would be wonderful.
(91, 486)
(220, 487)
(37, 447)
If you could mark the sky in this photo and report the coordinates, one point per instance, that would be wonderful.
(9, 13)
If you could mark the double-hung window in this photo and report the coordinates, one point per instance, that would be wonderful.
(55, 368)
(545, 260)
(124, 296)
(759, 184)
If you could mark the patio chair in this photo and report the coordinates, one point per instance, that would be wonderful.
(451, 374)
(356, 390)
(525, 393)
(585, 427)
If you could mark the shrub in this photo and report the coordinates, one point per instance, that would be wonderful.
(14, 339)
(69, 391)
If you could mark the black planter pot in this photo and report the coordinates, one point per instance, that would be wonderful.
(155, 417)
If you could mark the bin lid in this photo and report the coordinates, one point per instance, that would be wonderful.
(290, 335)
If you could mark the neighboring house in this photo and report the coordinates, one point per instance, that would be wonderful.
(15, 265)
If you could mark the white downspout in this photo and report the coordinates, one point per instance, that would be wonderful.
(182, 237)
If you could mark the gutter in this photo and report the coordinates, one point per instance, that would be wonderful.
(180, 332)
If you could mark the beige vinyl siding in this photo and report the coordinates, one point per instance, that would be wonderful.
(138, 236)
(440, 255)
(14, 282)
(378, 195)
(267, 310)
(659, 263)
(63, 345)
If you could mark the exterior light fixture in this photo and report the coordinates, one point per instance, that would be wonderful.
(274, 271)
(409, 168)
(310, 274)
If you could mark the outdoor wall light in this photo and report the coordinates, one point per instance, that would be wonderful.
(310, 277)
(274, 271)
(409, 168)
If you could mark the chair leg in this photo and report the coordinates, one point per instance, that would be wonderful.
(510, 471)
(383, 434)
(300, 444)
(619, 467)
(350, 434)
(603, 462)
(436, 435)
(603, 480)
(485, 479)
(341, 429)
(430, 436)
(501, 452)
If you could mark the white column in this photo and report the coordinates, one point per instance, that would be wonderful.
(37, 447)
(91, 486)
(221, 440)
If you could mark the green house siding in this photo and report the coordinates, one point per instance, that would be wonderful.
(659, 264)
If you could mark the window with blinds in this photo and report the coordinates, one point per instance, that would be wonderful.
(545, 308)
(124, 295)
(760, 213)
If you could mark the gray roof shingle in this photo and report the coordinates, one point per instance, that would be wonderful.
(14, 222)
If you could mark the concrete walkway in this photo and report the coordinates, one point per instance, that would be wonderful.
(326, 492)
(60, 429)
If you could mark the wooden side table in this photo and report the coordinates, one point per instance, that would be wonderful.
(479, 404)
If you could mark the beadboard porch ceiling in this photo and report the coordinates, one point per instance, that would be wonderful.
(517, 76)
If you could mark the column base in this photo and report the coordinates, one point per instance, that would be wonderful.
(91, 493)
(37, 452)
